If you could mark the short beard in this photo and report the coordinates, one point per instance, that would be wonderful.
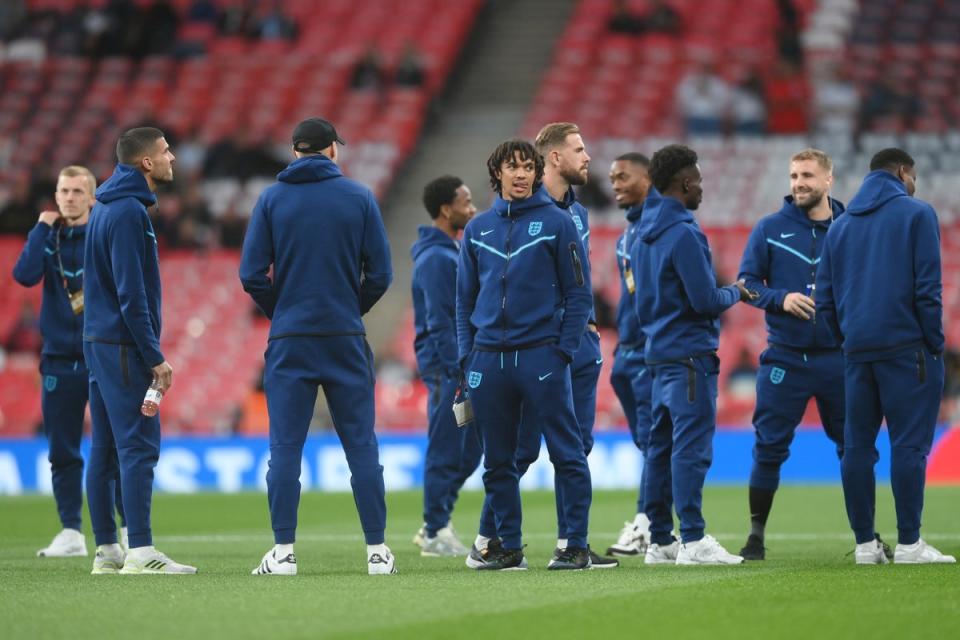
(813, 204)
(574, 178)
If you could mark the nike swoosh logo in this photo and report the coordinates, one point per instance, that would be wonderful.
(600, 361)
(483, 233)
(542, 378)
(787, 235)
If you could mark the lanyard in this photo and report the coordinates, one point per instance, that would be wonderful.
(63, 274)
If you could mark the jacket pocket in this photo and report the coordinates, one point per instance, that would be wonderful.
(921, 367)
(691, 382)
(124, 365)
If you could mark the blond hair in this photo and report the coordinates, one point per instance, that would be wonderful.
(554, 135)
(820, 157)
(76, 170)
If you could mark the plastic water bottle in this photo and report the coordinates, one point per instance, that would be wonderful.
(151, 401)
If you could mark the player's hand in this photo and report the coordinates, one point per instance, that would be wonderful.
(164, 373)
(799, 305)
(745, 294)
(49, 217)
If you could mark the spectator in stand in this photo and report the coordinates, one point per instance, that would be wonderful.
(748, 110)
(663, 19)
(703, 99)
(276, 25)
(885, 99)
(787, 97)
(788, 33)
(410, 68)
(368, 72)
(203, 11)
(624, 20)
(239, 20)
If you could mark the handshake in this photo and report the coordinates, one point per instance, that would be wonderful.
(746, 295)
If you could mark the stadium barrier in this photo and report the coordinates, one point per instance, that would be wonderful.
(233, 464)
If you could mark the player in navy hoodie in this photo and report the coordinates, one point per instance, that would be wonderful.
(879, 291)
(121, 333)
(323, 235)
(53, 255)
(679, 304)
(803, 359)
(452, 453)
(630, 179)
(523, 300)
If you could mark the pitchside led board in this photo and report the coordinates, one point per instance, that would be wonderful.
(188, 465)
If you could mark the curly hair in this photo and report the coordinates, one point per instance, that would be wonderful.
(439, 192)
(668, 162)
(506, 151)
(891, 159)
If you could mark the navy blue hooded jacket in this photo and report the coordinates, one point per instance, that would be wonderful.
(581, 218)
(61, 328)
(435, 256)
(878, 285)
(521, 281)
(781, 257)
(677, 300)
(325, 238)
(121, 267)
(628, 324)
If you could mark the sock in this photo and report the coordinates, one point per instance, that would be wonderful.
(282, 550)
(481, 542)
(641, 521)
(761, 501)
(377, 548)
(561, 543)
(141, 552)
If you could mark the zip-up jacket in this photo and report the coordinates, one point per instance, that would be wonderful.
(435, 256)
(879, 285)
(521, 281)
(678, 301)
(324, 237)
(781, 257)
(581, 218)
(61, 328)
(628, 324)
(121, 267)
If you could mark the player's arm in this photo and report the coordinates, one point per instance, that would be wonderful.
(128, 253)
(574, 279)
(755, 273)
(468, 288)
(698, 278)
(28, 270)
(826, 305)
(440, 300)
(256, 258)
(927, 282)
(375, 252)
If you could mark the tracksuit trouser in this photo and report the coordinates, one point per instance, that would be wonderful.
(633, 384)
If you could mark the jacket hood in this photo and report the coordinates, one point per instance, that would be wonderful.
(312, 168)
(792, 211)
(568, 200)
(878, 188)
(540, 198)
(430, 237)
(659, 214)
(126, 182)
(633, 213)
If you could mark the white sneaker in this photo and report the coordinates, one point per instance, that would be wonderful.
(444, 544)
(124, 540)
(68, 543)
(870, 553)
(275, 566)
(381, 563)
(662, 553)
(420, 536)
(920, 552)
(706, 550)
(108, 559)
(633, 541)
(152, 561)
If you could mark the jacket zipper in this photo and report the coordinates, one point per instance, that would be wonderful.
(813, 278)
(503, 278)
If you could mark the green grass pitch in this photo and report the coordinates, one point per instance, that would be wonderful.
(808, 587)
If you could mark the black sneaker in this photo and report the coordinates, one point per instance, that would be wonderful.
(887, 551)
(754, 549)
(598, 561)
(571, 558)
(476, 559)
(503, 560)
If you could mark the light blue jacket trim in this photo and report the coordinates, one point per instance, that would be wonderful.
(793, 251)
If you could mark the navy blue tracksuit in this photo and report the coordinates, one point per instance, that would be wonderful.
(523, 300)
(879, 290)
(121, 333)
(54, 255)
(678, 303)
(803, 359)
(452, 453)
(584, 373)
(323, 235)
(630, 379)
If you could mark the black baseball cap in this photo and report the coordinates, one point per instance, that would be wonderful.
(314, 135)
